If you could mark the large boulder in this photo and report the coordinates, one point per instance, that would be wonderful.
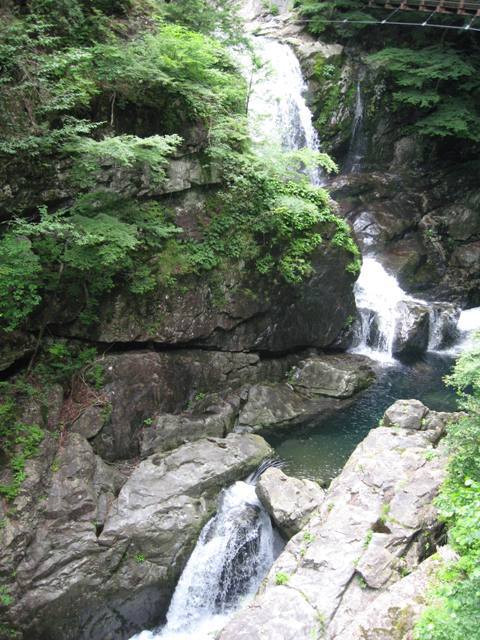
(377, 523)
(289, 501)
(411, 328)
(337, 376)
(215, 418)
(111, 540)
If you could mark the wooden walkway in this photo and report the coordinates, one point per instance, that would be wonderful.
(460, 7)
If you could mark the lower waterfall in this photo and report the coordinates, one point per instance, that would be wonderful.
(233, 554)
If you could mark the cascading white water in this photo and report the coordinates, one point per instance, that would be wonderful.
(233, 553)
(277, 110)
(383, 306)
(469, 331)
(357, 147)
(377, 295)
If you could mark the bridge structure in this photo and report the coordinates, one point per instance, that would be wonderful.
(459, 7)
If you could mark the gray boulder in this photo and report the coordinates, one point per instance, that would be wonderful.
(406, 414)
(338, 376)
(411, 328)
(394, 613)
(167, 431)
(289, 501)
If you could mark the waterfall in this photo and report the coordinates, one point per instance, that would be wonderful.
(385, 312)
(358, 141)
(278, 113)
(377, 295)
(234, 552)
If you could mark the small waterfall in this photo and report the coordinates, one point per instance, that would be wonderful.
(234, 552)
(278, 113)
(377, 295)
(468, 328)
(358, 142)
(385, 311)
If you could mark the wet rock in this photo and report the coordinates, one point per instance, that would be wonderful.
(371, 528)
(462, 222)
(467, 256)
(13, 347)
(289, 501)
(443, 324)
(337, 376)
(100, 567)
(411, 328)
(317, 387)
(91, 421)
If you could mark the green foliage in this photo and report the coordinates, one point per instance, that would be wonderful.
(281, 578)
(454, 613)
(172, 67)
(121, 151)
(58, 363)
(20, 442)
(435, 86)
(5, 597)
(320, 13)
(206, 16)
(139, 558)
(81, 252)
(19, 281)
(439, 81)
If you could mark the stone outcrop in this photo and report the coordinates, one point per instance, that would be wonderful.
(334, 376)
(244, 312)
(316, 387)
(393, 614)
(376, 524)
(100, 556)
(289, 501)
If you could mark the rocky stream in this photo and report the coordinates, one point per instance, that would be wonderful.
(148, 521)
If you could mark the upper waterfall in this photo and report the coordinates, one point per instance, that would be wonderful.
(278, 113)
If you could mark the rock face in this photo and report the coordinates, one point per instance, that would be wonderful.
(237, 319)
(375, 524)
(393, 614)
(289, 501)
(105, 553)
(156, 401)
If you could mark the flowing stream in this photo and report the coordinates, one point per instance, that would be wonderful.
(358, 141)
(237, 547)
(234, 552)
(385, 310)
